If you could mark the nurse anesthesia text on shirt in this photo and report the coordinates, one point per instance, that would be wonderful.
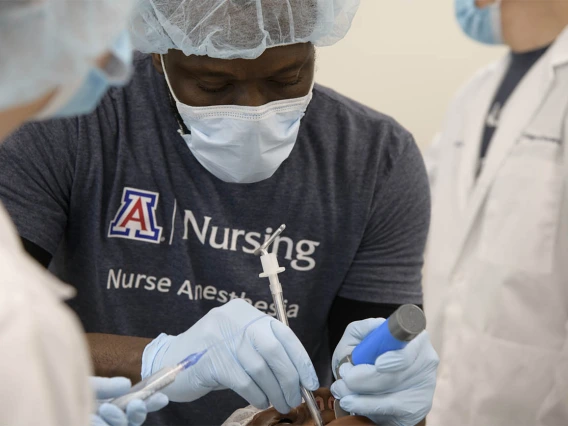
(152, 241)
(136, 220)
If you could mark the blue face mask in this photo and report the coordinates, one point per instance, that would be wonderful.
(84, 98)
(482, 25)
(87, 97)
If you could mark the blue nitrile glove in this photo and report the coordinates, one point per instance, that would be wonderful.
(264, 362)
(111, 415)
(397, 390)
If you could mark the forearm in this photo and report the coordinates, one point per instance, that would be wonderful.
(115, 355)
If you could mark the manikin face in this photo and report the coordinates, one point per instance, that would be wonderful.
(300, 416)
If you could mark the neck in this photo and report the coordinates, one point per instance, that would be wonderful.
(13, 118)
(529, 25)
(9, 121)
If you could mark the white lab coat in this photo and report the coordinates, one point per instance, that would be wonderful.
(496, 277)
(44, 363)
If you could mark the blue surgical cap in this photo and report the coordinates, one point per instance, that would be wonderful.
(45, 44)
(229, 29)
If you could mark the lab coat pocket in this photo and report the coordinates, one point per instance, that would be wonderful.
(520, 221)
(511, 382)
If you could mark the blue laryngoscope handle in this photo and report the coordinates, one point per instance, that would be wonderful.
(375, 344)
(395, 333)
(407, 322)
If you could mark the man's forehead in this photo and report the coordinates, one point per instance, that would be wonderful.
(277, 60)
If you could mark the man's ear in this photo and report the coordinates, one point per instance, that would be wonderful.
(157, 62)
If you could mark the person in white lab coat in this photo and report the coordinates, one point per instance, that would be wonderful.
(496, 286)
(54, 60)
(57, 59)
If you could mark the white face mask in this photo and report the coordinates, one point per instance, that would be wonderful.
(242, 144)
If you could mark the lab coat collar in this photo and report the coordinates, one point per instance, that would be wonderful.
(474, 126)
(559, 50)
(519, 111)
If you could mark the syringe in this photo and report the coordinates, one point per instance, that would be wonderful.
(271, 271)
(157, 381)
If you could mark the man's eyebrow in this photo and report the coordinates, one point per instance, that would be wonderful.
(204, 71)
(296, 66)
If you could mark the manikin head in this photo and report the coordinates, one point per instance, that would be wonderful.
(299, 416)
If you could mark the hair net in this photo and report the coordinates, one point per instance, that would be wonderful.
(49, 43)
(229, 29)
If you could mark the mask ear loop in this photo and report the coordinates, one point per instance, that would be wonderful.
(173, 100)
(168, 79)
(495, 12)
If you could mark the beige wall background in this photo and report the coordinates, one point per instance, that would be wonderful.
(405, 58)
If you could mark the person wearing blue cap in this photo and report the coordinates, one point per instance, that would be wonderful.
(495, 290)
(57, 59)
(152, 208)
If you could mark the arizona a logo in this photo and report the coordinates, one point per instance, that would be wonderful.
(136, 217)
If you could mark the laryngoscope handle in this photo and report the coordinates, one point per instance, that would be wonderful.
(407, 322)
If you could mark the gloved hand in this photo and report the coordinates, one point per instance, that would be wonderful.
(253, 354)
(111, 415)
(397, 390)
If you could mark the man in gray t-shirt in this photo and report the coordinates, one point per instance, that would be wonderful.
(152, 239)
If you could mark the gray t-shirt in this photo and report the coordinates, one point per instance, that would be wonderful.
(152, 241)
